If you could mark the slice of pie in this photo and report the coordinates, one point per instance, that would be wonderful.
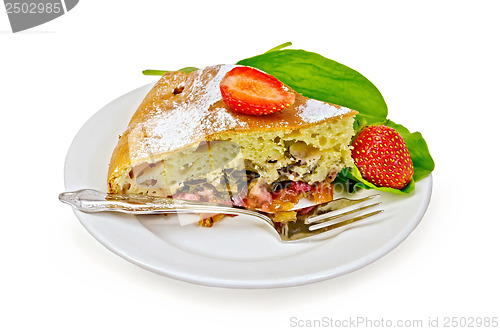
(185, 142)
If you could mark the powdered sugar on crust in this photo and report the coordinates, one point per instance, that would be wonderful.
(313, 111)
(222, 119)
(175, 123)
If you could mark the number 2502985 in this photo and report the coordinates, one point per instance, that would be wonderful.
(33, 8)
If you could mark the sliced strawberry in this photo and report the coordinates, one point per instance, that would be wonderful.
(253, 92)
(382, 157)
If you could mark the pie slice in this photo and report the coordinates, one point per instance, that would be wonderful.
(185, 142)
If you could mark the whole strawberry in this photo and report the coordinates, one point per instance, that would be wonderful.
(382, 157)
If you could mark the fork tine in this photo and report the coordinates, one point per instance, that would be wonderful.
(294, 231)
(350, 202)
(343, 223)
(329, 217)
(331, 206)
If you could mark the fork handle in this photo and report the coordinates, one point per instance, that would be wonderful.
(92, 201)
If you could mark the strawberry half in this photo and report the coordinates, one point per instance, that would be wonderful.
(253, 92)
(382, 157)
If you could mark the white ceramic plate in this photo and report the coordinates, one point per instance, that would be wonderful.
(238, 252)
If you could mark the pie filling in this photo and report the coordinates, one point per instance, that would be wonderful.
(217, 172)
(278, 198)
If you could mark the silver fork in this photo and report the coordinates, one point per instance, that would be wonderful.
(310, 221)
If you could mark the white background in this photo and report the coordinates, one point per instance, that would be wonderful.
(435, 62)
